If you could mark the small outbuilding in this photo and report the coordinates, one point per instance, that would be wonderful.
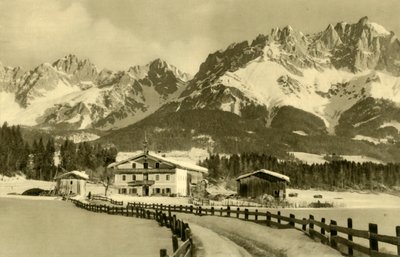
(72, 183)
(261, 182)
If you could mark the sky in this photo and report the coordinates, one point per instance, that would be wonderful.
(117, 34)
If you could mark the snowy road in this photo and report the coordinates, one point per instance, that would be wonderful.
(215, 245)
(220, 236)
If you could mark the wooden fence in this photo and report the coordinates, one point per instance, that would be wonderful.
(325, 233)
(106, 199)
(178, 228)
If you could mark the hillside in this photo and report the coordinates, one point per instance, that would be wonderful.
(224, 132)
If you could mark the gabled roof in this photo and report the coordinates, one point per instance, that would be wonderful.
(267, 172)
(178, 164)
(78, 174)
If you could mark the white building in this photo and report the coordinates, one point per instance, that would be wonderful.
(151, 174)
(72, 183)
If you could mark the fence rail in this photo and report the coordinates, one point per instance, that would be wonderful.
(106, 199)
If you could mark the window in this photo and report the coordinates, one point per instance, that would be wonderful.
(133, 177)
(168, 190)
(123, 191)
(157, 190)
(132, 191)
(145, 165)
(157, 165)
(163, 191)
(167, 177)
(157, 177)
(133, 165)
(123, 177)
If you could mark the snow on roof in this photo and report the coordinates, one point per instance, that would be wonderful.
(77, 173)
(268, 172)
(179, 164)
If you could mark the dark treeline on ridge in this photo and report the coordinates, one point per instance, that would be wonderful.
(336, 174)
(37, 161)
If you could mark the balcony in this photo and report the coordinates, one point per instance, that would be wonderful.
(141, 183)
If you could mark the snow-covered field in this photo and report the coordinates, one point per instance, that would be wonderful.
(345, 199)
(59, 229)
(319, 158)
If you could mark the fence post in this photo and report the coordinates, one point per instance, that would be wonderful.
(268, 219)
(180, 208)
(199, 210)
(279, 219)
(228, 211)
(333, 234)
(174, 243)
(256, 215)
(212, 210)
(246, 214)
(291, 222)
(220, 212)
(398, 239)
(350, 237)
(187, 233)
(183, 226)
(237, 213)
(191, 208)
(373, 243)
(322, 229)
(169, 210)
(304, 224)
(311, 226)
(163, 253)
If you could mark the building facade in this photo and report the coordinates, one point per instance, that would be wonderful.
(149, 174)
(71, 183)
(261, 182)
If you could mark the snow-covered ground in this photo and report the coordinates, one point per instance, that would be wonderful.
(373, 140)
(319, 158)
(19, 184)
(345, 199)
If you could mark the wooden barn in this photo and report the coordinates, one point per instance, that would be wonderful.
(72, 183)
(261, 182)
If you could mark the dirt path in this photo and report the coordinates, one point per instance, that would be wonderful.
(257, 240)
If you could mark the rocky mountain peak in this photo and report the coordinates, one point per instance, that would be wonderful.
(81, 70)
(363, 21)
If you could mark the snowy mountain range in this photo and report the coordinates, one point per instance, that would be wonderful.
(341, 81)
(72, 93)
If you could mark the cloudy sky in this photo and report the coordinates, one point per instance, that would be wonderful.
(116, 34)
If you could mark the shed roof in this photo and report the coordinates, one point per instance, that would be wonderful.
(76, 173)
(268, 172)
(178, 164)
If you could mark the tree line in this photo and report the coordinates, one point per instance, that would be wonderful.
(334, 175)
(41, 160)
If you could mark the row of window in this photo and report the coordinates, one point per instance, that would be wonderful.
(145, 165)
(134, 191)
(129, 191)
(167, 177)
